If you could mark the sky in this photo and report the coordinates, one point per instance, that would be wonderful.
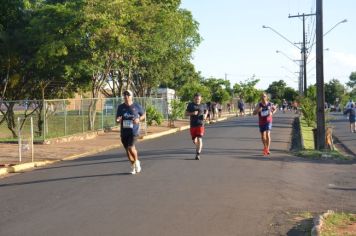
(236, 46)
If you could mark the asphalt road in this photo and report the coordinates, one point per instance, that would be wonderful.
(232, 190)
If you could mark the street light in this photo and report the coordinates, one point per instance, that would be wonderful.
(302, 50)
(289, 70)
(343, 21)
(268, 27)
(295, 61)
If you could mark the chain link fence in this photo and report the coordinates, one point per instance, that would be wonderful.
(60, 118)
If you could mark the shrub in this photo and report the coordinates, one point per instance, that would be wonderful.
(152, 115)
(308, 108)
(178, 110)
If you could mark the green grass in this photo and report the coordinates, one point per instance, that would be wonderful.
(310, 152)
(339, 224)
(307, 134)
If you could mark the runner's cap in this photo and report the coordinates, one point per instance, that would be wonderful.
(128, 92)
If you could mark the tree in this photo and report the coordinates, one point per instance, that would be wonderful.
(334, 89)
(248, 90)
(277, 90)
(165, 38)
(188, 90)
(219, 89)
(53, 48)
(290, 94)
(352, 82)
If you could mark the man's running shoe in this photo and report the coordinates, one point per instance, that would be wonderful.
(133, 169)
(197, 157)
(265, 151)
(138, 166)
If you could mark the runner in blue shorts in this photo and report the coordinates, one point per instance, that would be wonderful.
(265, 111)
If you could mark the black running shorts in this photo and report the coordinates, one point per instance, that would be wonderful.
(128, 140)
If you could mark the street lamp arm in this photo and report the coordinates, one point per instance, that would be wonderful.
(343, 21)
(267, 27)
(277, 51)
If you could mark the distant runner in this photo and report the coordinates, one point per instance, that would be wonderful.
(129, 115)
(197, 113)
(265, 110)
(352, 117)
(241, 106)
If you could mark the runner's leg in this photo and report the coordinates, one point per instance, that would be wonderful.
(130, 156)
(263, 139)
(132, 152)
(199, 144)
(268, 140)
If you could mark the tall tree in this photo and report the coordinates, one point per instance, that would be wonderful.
(248, 91)
(277, 90)
(334, 89)
(352, 82)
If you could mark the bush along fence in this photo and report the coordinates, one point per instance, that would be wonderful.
(60, 118)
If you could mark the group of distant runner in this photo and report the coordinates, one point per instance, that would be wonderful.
(130, 114)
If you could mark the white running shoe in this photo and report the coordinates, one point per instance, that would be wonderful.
(133, 169)
(138, 166)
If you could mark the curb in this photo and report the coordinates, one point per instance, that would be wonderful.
(28, 166)
(171, 131)
(318, 223)
(347, 149)
(24, 167)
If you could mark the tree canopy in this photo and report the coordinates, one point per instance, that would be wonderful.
(58, 47)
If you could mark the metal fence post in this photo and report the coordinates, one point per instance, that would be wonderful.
(65, 117)
(32, 151)
(44, 119)
(102, 114)
(82, 111)
(19, 138)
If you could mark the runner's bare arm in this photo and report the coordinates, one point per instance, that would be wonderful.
(139, 119)
(274, 109)
(257, 109)
(205, 115)
(187, 113)
(118, 119)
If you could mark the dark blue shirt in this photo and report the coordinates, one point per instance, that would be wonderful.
(129, 113)
(196, 120)
(352, 116)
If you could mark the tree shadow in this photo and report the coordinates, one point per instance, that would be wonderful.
(303, 228)
(62, 179)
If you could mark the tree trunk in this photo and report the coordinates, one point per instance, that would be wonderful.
(10, 119)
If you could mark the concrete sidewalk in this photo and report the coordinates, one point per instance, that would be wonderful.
(341, 131)
(45, 154)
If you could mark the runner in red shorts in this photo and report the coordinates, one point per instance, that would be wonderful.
(265, 110)
(197, 113)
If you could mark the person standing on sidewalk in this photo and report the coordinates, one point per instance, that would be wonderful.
(129, 115)
(198, 113)
(265, 111)
(352, 117)
(241, 106)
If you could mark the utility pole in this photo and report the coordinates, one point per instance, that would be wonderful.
(320, 94)
(304, 50)
(301, 77)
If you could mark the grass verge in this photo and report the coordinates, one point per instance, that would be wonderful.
(339, 224)
(309, 152)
